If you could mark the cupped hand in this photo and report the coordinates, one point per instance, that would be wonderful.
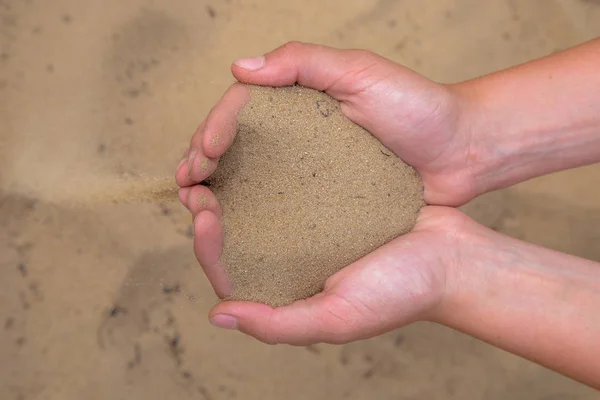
(423, 122)
(401, 282)
(404, 280)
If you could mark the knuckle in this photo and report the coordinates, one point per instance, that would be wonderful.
(270, 334)
(267, 340)
(263, 335)
(338, 338)
(343, 332)
(339, 322)
(292, 46)
(365, 56)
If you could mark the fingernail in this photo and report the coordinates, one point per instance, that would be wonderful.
(191, 162)
(224, 321)
(184, 157)
(251, 64)
(183, 160)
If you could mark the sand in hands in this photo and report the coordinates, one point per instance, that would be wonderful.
(305, 192)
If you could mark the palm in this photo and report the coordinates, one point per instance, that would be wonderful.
(416, 119)
(398, 283)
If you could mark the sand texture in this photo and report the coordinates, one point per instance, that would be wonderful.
(305, 192)
(108, 302)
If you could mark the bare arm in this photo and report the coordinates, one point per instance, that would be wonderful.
(536, 118)
(508, 127)
(536, 303)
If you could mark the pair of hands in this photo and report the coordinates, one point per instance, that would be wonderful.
(412, 277)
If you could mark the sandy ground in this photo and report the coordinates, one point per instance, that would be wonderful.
(108, 302)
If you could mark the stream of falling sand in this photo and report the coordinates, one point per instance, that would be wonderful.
(140, 190)
(98, 190)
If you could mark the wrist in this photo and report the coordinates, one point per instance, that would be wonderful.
(452, 179)
(523, 123)
(530, 301)
(485, 265)
(460, 274)
(486, 158)
(468, 251)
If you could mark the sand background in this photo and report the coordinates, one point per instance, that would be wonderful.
(107, 301)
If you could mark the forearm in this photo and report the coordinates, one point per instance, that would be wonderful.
(535, 118)
(533, 302)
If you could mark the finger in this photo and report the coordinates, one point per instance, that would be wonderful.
(321, 318)
(183, 194)
(181, 176)
(375, 93)
(388, 288)
(337, 72)
(208, 245)
(200, 198)
(221, 124)
(213, 137)
(198, 166)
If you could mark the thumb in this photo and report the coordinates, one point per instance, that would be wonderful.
(337, 72)
(392, 102)
(324, 317)
(387, 288)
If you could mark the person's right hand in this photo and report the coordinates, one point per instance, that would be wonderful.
(419, 120)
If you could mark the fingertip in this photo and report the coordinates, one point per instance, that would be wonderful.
(248, 315)
(221, 124)
(182, 178)
(206, 226)
(250, 63)
(198, 166)
(224, 321)
(241, 74)
(300, 323)
(293, 62)
(183, 194)
(217, 141)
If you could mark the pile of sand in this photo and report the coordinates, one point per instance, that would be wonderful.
(306, 192)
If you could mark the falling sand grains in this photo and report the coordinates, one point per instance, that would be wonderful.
(305, 192)
(141, 190)
(98, 189)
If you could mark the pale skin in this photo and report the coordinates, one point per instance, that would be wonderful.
(464, 139)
